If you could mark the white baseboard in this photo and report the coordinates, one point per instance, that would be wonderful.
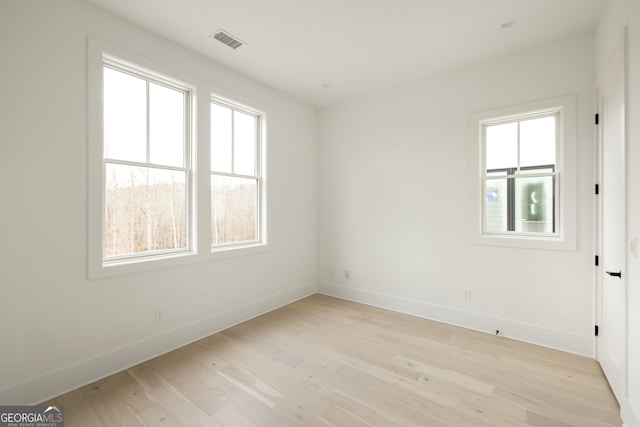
(630, 414)
(45, 387)
(534, 334)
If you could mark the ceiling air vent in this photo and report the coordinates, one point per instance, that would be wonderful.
(226, 38)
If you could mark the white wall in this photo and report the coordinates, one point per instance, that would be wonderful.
(616, 16)
(391, 207)
(57, 329)
(393, 200)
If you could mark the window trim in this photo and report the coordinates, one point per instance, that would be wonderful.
(565, 183)
(202, 91)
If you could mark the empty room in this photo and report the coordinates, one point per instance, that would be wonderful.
(320, 213)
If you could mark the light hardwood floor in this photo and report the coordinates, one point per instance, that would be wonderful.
(323, 361)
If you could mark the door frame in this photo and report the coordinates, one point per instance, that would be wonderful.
(617, 57)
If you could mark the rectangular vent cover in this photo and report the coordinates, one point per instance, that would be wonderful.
(228, 39)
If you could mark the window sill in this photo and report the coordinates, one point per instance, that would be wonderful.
(144, 264)
(238, 250)
(556, 243)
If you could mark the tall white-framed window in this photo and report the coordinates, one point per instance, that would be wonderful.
(147, 182)
(161, 193)
(523, 175)
(237, 184)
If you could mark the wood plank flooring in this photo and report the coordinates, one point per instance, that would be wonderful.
(323, 361)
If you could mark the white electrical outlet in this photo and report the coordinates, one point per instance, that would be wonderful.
(347, 274)
(467, 294)
(159, 315)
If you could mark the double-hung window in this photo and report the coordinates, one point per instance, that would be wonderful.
(523, 175)
(147, 164)
(520, 175)
(157, 200)
(236, 184)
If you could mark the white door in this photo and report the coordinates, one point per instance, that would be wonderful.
(611, 343)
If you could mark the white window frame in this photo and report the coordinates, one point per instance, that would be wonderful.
(153, 77)
(200, 249)
(259, 165)
(564, 237)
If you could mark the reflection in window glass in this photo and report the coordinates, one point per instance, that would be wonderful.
(496, 198)
(534, 204)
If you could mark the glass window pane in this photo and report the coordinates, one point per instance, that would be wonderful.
(244, 143)
(221, 138)
(534, 204)
(166, 125)
(501, 146)
(538, 141)
(234, 206)
(495, 205)
(125, 116)
(146, 210)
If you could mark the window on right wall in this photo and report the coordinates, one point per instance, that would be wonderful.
(524, 185)
(520, 175)
(237, 184)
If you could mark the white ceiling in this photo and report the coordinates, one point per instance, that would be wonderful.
(326, 51)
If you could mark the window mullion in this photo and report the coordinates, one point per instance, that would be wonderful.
(511, 200)
(233, 141)
(256, 147)
(187, 117)
(518, 148)
(148, 124)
